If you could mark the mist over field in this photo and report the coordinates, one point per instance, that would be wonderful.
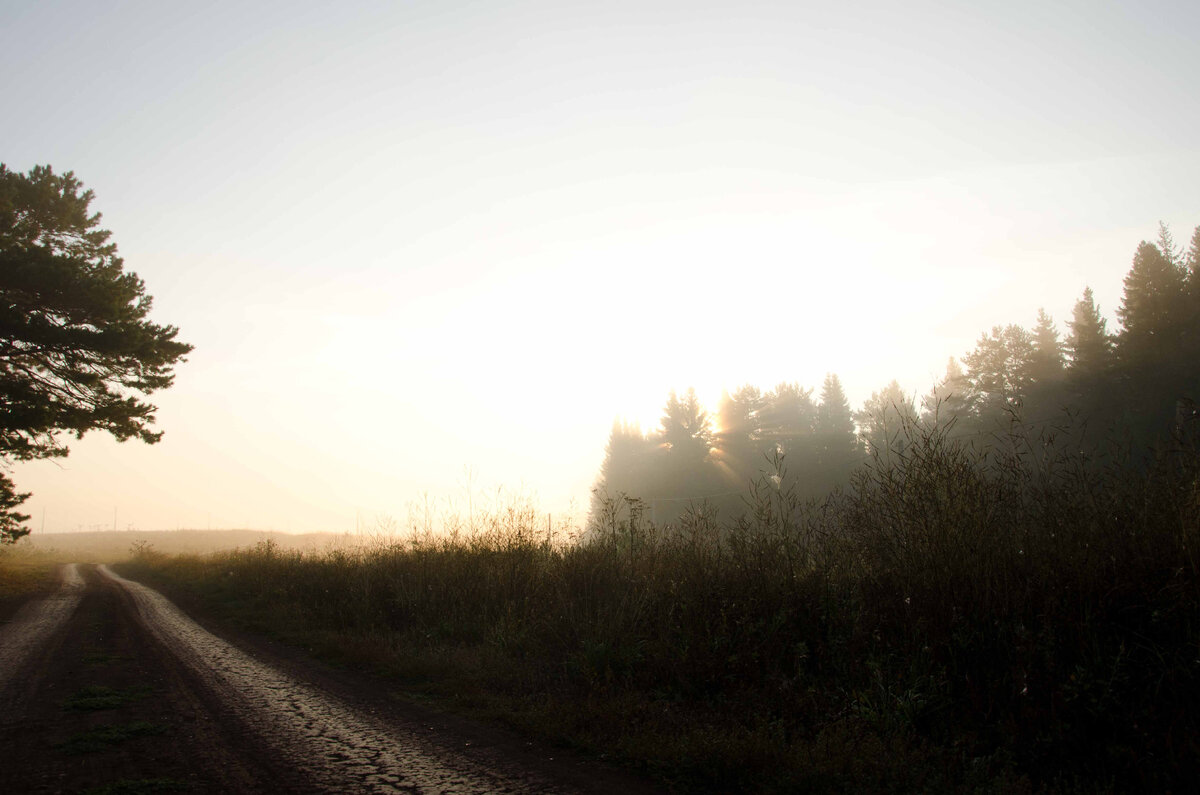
(415, 246)
(756, 397)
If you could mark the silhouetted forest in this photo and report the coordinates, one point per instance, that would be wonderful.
(1113, 393)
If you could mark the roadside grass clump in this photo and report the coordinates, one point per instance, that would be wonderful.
(1015, 616)
(98, 657)
(94, 698)
(139, 786)
(24, 573)
(102, 738)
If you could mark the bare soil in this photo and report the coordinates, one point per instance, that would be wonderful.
(103, 707)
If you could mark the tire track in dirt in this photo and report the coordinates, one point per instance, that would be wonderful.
(34, 624)
(337, 748)
(100, 705)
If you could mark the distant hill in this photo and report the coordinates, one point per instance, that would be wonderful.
(111, 545)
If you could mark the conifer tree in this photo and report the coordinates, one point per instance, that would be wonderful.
(685, 427)
(1166, 245)
(882, 419)
(738, 415)
(789, 416)
(837, 442)
(788, 425)
(1156, 350)
(1046, 364)
(950, 400)
(626, 469)
(998, 371)
(684, 468)
(1089, 346)
(1189, 353)
(1047, 372)
(78, 352)
(738, 435)
(1191, 263)
(1152, 308)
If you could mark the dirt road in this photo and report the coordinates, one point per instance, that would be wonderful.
(108, 687)
(35, 623)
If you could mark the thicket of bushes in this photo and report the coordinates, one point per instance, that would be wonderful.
(1020, 616)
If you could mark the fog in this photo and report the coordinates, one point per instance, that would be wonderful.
(432, 251)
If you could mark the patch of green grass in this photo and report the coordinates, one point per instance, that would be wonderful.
(139, 786)
(98, 697)
(100, 658)
(104, 737)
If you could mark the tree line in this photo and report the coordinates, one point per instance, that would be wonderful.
(1128, 387)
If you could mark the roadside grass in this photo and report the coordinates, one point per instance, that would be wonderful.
(139, 786)
(24, 573)
(99, 657)
(94, 698)
(101, 738)
(1023, 617)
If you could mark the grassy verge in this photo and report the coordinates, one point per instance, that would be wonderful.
(1014, 619)
(140, 786)
(24, 574)
(102, 738)
(95, 698)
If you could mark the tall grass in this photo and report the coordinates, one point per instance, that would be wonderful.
(24, 574)
(1020, 616)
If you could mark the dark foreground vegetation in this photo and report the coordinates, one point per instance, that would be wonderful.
(1016, 617)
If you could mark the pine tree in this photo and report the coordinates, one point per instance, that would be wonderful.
(78, 352)
(1047, 372)
(1166, 245)
(883, 417)
(737, 437)
(738, 414)
(789, 416)
(1152, 308)
(1191, 263)
(1189, 351)
(998, 371)
(1156, 350)
(625, 469)
(1089, 346)
(837, 442)
(950, 400)
(1046, 365)
(684, 469)
(685, 427)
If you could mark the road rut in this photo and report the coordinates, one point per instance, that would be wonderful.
(34, 624)
(106, 686)
(335, 747)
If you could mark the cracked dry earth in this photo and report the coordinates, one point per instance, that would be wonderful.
(107, 687)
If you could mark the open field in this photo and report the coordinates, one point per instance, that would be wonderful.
(1015, 620)
(109, 546)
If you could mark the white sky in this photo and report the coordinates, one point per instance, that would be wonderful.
(409, 239)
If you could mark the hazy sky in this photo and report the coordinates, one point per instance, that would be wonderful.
(408, 238)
